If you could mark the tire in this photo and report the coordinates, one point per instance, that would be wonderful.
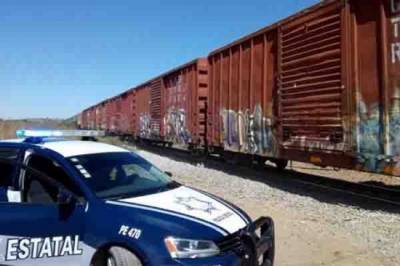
(269, 256)
(118, 256)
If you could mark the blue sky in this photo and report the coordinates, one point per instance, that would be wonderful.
(58, 57)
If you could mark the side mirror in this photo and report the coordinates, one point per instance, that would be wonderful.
(65, 198)
(168, 173)
(66, 202)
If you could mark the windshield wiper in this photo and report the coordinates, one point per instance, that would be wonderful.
(168, 186)
(171, 185)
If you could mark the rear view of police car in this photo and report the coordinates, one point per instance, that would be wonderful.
(88, 203)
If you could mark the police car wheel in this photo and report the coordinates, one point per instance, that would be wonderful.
(122, 257)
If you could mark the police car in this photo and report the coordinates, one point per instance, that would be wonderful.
(69, 202)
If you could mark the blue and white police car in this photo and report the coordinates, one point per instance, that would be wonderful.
(69, 202)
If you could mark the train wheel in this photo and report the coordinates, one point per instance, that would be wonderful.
(230, 158)
(281, 164)
(260, 161)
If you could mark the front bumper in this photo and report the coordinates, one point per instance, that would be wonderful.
(254, 244)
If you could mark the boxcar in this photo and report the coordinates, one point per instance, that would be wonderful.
(172, 107)
(141, 112)
(103, 115)
(109, 114)
(82, 123)
(125, 113)
(322, 86)
(113, 116)
(88, 118)
(122, 112)
(98, 111)
(94, 117)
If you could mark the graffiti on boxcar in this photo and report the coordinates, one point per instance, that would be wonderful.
(370, 137)
(395, 52)
(395, 46)
(368, 134)
(396, 26)
(395, 122)
(175, 126)
(144, 125)
(248, 131)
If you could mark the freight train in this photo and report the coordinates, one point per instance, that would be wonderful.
(322, 86)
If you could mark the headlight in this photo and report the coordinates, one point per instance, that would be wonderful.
(187, 248)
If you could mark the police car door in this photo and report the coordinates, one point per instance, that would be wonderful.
(41, 229)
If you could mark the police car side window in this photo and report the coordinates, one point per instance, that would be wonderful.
(39, 190)
(8, 170)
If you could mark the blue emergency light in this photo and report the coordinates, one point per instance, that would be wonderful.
(30, 133)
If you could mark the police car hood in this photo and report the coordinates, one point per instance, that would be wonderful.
(190, 204)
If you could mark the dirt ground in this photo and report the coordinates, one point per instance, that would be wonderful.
(310, 230)
(305, 242)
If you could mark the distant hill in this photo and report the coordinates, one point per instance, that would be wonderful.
(8, 127)
(71, 122)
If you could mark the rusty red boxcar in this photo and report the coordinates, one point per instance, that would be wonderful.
(172, 107)
(122, 113)
(103, 115)
(112, 115)
(98, 111)
(322, 86)
(82, 121)
(141, 111)
(87, 118)
(109, 113)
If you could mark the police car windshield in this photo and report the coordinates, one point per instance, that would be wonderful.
(121, 175)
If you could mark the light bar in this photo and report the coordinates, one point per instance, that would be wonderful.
(24, 133)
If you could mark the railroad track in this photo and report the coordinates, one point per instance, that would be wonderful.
(369, 192)
(365, 192)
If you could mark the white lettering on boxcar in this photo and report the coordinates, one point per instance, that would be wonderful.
(395, 45)
(395, 6)
(396, 26)
(395, 52)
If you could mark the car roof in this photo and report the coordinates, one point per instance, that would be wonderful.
(70, 148)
